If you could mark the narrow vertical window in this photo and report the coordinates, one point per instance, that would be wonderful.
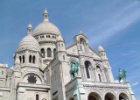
(2, 72)
(54, 51)
(81, 47)
(33, 59)
(43, 52)
(63, 57)
(30, 59)
(82, 41)
(20, 58)
(49, 52)
(23, 59)
(37, 97)
(99, 77)
(62, 45)
(87, 65)
(99, 73)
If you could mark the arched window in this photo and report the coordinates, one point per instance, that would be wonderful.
(62, 45)
(2, 72)
(63, 57)
(82, 41)
(109, 96)
(48, 36)
(87, 66)
(43, 52)
(30, 59)
(99, 73)
(94, 96)
(20, 58)
(99, 77)
(33, 59)
(37, 97)
(71, 98)
(81, 47)
(23, 59)
(49, 52)
(54, 51)
(123, 96)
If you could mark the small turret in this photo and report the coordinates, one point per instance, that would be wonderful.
(60, 49)
(45, 14)
(60, 44)
(17, 61)
(102, 52)
(29, 29)
(17, 64)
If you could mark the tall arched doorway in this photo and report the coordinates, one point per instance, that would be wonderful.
(123, 96)
(71, 98)
(109, 96)
(94, 96)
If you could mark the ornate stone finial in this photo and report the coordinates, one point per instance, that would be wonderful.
(81, 32)
(45, 14)
(17, 61)
(29, 29)
(100, 49)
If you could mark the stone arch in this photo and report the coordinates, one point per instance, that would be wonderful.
(82, 43)
(72, 98)
(94, 96)
(82, 40)
(123, 96)
(109, 96)
(26, 74)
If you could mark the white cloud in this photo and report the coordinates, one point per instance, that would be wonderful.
(135, 83)
(119, 21)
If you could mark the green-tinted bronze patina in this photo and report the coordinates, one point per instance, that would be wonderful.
(74, 68)
(122, 74)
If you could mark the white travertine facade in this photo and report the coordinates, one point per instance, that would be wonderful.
(44, 69)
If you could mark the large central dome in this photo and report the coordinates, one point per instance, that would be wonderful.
(46, 27)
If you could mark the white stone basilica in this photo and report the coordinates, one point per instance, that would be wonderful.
(45, 69)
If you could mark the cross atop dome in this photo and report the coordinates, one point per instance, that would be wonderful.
(45, 14)
(29, 29)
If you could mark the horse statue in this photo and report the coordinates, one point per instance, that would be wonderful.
(74, 68)
(121, 75)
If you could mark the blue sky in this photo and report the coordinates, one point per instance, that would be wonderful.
(114, 24)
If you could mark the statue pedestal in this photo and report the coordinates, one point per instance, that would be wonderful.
(75, 88)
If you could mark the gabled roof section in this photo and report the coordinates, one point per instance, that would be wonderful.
(94, 53)
(72, 49)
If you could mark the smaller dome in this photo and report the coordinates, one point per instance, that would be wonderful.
(28, 42)
(17, 61)
(100, 49)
